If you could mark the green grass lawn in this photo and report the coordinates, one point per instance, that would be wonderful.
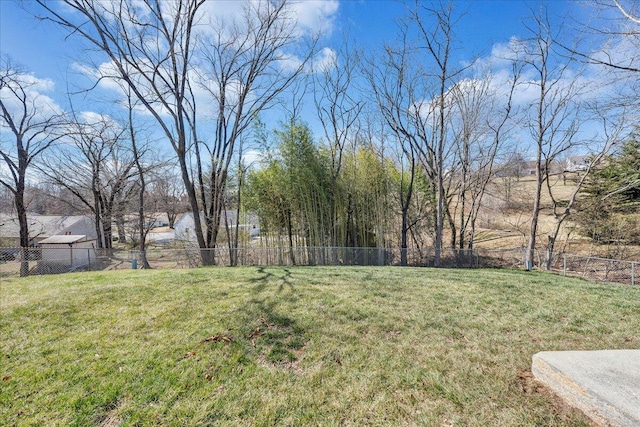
(298, 346)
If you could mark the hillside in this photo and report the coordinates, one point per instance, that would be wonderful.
(506, 219)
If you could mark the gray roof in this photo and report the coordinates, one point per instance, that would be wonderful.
(65, 238)
(39, 225)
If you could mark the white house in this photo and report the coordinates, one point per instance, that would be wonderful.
(152, 220)
(577, 164)
(65, 252)
(184, 225)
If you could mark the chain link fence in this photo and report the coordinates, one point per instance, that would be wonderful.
(329, 256)
(598, 269)
(34, 261)
(262, 256)
(15, 262)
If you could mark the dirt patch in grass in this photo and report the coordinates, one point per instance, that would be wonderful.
(112, 417)
(279, 343)
(530, 386)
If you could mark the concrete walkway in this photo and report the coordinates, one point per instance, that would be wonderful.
(604, 384)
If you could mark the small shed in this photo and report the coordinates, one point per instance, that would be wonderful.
(68, 251)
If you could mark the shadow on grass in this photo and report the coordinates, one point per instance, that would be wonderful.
(267, 277)
(276, 337)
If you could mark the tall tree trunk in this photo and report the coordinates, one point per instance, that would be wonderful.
(290, 234)
(531, 247)
(403, 237)
(120, 226)
(141, 220)
(107, 227)
(405, 202)
(142, 229)
(21, 211)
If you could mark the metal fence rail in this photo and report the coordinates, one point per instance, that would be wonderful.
(599, 269)
(36, 261)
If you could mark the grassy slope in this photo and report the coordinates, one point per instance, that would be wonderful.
(495, 217)
(320, 346)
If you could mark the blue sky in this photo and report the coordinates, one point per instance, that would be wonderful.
(42, 48)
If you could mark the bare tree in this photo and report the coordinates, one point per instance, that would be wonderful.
(138, 151)
(96, 168)
(406, 193)
(7, 205)
(437, 42)
(339, 113)
(412, 91)
(244, 73)
(150, 46)
(613, 134)
(481, 120)
(396, 82)
(31, 121)
(469, 100)
(155, 48)
(554, 115)
(167, 193)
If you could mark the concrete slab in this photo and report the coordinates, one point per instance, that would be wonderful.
(603, 384)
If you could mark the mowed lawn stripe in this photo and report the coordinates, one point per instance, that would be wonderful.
(298, 346)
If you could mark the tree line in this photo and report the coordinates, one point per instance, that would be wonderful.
(411, 136)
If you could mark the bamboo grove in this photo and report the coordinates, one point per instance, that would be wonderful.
(300, 204)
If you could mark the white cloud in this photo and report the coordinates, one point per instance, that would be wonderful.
(622, 51)
(207, 94)
(37, 85)
(30, 109)
(501, 56)
(289, 62)
(316, 16)
(108, 79)
(581, 83)
(311, 17)
(106, 74)
(252, 157)
(217, 23)
(93, 118)
(226, 12)
(574, 88)
(39, 106)
(325, 60)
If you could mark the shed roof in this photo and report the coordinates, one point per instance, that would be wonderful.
(66, 238)
(40, 225)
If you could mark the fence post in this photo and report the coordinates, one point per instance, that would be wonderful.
(564, 264)
(134, 259)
